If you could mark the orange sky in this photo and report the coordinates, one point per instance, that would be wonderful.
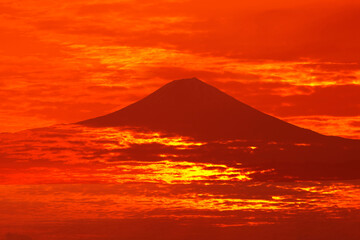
(65, 61)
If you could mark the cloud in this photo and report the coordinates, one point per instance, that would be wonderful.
(14, 236)
(340, 100)
(278, 57)
(355, 123)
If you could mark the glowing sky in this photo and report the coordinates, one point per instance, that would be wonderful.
(65, 61)
(67, 181)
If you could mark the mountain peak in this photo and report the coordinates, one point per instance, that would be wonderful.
(193, 79)
(187, 84)
(188, 81)
(192, 107)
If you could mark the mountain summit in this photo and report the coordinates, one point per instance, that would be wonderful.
(194, 108)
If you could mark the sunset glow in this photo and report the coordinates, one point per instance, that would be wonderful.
(67, 61)
(179, 120)
(68, 173)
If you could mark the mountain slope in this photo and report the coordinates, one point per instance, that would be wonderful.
(192, 107)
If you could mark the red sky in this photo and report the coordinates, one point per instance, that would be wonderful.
(65, 61)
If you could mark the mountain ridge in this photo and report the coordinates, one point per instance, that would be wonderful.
(194, 108)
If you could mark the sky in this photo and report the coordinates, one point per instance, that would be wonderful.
(66, 61)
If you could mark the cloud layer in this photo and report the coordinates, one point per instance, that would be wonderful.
(71, 60)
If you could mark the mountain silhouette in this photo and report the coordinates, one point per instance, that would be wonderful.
(194, 108)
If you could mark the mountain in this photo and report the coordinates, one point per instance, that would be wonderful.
(194, 108)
